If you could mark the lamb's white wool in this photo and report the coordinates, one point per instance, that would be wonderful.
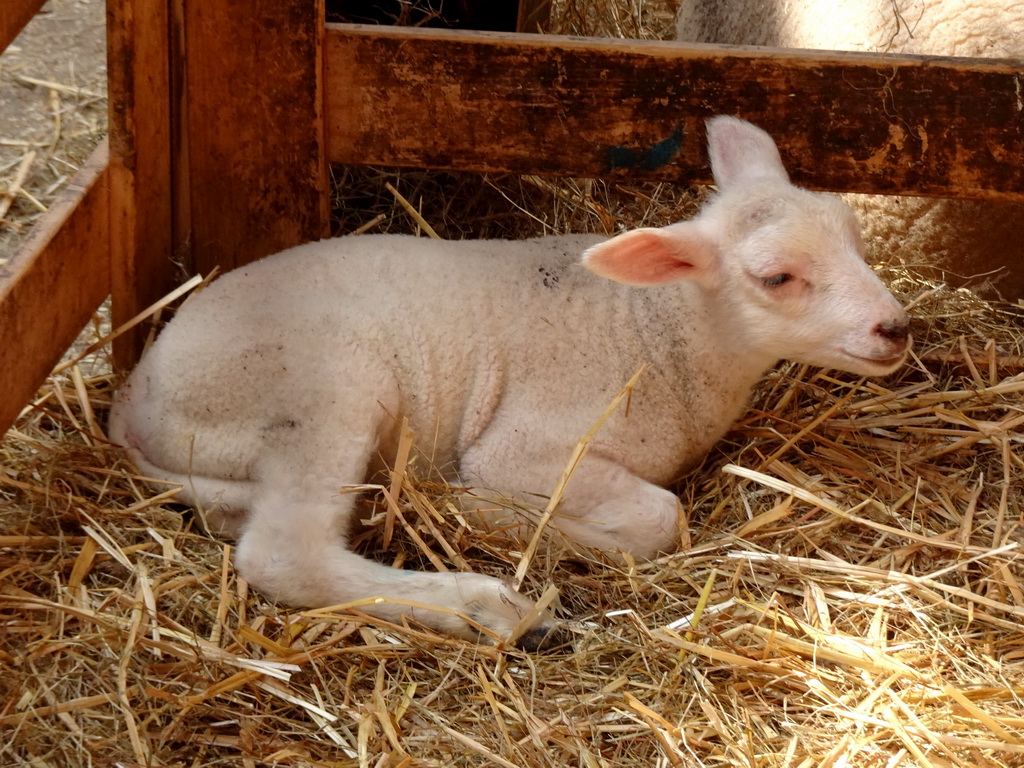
(286, 379)
(967, 238)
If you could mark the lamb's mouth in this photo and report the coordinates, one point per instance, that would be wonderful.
(888, 363)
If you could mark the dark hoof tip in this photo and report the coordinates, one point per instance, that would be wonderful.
(547, 637)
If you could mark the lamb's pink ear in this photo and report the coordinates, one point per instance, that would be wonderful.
(653, 256)
(740, 151)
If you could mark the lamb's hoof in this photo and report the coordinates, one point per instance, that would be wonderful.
(546, 637)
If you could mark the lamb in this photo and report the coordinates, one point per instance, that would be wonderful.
(976, 243)
(284, 381)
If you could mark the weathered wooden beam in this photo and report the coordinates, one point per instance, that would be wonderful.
(52, 285)
(558, 105)
(140, 163)
(14, 15)
(257, 174)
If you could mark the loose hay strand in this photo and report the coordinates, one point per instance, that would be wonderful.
(416, 215)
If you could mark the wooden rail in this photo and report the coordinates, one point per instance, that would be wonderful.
(15, 14)
(53, 284)
(537, 104)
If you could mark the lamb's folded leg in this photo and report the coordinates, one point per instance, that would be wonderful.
(604, 505)
(294, 549)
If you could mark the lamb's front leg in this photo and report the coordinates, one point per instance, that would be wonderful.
(294, 549)
(607, 507)
(603, 506)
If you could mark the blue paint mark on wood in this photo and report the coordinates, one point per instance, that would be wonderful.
(649, 159)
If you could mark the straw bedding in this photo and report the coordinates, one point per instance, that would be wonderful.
(848, 591)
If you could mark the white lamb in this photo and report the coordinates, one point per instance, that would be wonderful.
(285, 380)
(965, 237)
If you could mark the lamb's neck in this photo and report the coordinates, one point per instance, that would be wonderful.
(700, 331)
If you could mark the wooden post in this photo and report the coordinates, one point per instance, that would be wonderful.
(140, 163)
(217, 141)
(257, 174)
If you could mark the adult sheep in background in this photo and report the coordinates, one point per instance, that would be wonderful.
(966, 238)
(286, 380)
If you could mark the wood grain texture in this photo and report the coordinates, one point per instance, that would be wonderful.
(14, 15)
(52, 285)
(557, 105)
(256, 163)
(140, 164)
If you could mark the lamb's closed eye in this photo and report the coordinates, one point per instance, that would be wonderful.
(776, 280)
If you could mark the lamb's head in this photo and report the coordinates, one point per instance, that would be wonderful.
(783, 267)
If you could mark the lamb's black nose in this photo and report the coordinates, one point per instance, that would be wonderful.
(893, 330)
